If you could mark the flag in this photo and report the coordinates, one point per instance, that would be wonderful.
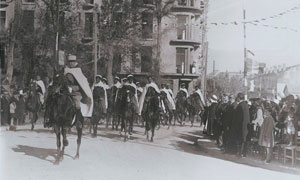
(251, 52)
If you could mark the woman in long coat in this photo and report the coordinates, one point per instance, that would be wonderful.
(266, 137)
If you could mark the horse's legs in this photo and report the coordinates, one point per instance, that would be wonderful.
(125, 129)
(35, 117)
(58, 143)
(65, 141)
(153, 124)
(79, 126)
(107, 119)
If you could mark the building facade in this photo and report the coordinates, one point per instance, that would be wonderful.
(183, 43)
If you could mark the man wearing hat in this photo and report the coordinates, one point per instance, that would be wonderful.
(80, 90)
(182, 88)
(134, 89)
(152, 84)
(4, 107)
(240, 124)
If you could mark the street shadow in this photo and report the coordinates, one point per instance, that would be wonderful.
(40, 153)
(115, 136)
(187, 143)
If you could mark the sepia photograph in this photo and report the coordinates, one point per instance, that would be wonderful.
(149, 89)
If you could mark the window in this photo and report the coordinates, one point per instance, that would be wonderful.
(117, 61)
(2, 20)
(28, 20)
(146, 59)
(2, 55)
(89, 1)
(148, 1)
(182, 2)
(147, 27)
(182, 27)
(181, 57)
(192, 3)
(88, 27)
(29, 1)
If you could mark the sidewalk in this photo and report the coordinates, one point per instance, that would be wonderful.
(206, 146)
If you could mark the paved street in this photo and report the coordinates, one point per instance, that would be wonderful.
(28, 155)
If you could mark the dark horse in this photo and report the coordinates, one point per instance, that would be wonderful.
(61, 110)
(127, 109)
(166, 115)
(99, 105)
(181, 107)
(33, 103)
(150, 111)
(113, 106)
(194, 107)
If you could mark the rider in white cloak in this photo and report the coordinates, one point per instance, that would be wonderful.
(130, 83)
(99, 83)
(182, 88)
(152, 84)
(169, 97)
(79, 88)
(40, 88)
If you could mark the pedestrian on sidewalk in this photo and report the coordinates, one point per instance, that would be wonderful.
(266, 137)
(5, 108)
(12, 111)
(20, 110)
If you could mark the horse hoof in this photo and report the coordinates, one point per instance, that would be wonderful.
(151, 140)
(76, 156)
(56, 162)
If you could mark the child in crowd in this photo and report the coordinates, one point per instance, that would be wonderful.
(266, 137)
(290, 129)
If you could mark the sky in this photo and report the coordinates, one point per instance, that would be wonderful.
(271, 46)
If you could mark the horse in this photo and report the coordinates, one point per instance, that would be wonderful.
(61, 111)
(127, 109)
(194, 107)
(99, 105)
(150, 111)
(113, 107)
(33, 103)
(181, 107)
(166, 114)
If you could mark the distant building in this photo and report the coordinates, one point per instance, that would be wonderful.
(277, 82)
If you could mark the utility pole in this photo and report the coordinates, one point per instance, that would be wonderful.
(95, 39)
(204, 50)
(56, 54)
(245, 52)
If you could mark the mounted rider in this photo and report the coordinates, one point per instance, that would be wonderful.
(100, 84)
(151, 84)
(80, 90)
(183, 89)
(170, 103)
(40, 88)
(199, 92)
(133, 88)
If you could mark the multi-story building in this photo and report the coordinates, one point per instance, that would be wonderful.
(183, 40)
(182, 44)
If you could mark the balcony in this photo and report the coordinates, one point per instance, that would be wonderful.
(191, 43)
(189, 9)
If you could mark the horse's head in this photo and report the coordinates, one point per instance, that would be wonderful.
(60, 83)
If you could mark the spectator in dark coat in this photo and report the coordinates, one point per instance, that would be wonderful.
(228, 118)
(242, 122)
(211, 115)
(5, 108)
(20, 111)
